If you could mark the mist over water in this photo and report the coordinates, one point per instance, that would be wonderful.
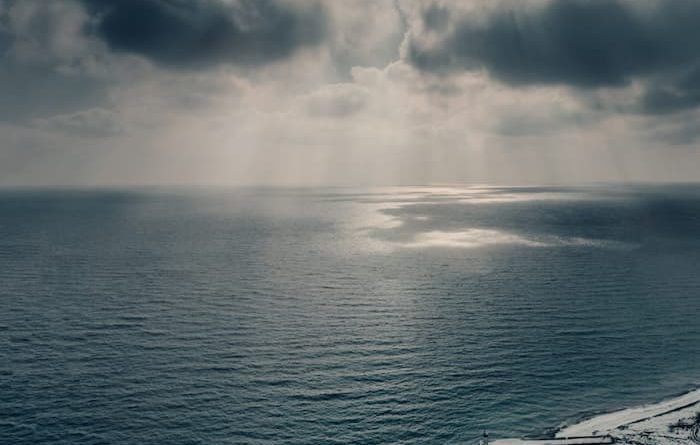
(412, 315)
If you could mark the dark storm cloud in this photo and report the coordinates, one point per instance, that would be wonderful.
(5, 39)
(680, 92)
(581, 43)
(436, 17)
(195, 33)
(53, 60)
(93, 122)
(35, 92)
(37, 76)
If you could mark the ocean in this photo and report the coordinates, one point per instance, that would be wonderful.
(396, 315)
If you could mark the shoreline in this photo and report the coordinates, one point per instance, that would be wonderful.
(672, 421)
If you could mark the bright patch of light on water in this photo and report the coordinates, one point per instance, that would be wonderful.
(373, 316)
(470, 238)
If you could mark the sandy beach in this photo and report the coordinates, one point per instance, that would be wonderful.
(670, 422)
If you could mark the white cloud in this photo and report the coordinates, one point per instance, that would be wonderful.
(337, 100)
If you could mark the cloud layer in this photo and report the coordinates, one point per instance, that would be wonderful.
(191, 33)
(579, 43)
(358, 92)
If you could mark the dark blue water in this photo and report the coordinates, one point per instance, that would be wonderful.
(407, 315)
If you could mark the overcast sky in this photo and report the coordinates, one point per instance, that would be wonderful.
(352, 92)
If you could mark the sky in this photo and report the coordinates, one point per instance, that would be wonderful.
(353, 92)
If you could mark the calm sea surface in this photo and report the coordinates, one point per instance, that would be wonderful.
(414, 315)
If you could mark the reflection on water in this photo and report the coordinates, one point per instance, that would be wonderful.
(423, 217)
(469, 238)
(419, 315)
